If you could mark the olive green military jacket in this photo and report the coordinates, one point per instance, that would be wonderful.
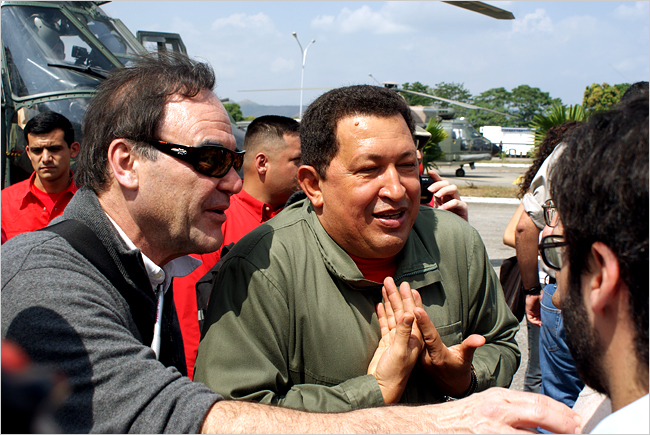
(292, 321)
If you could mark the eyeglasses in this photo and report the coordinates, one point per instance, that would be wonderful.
(212, 160)
(551, 251)
(551, 216)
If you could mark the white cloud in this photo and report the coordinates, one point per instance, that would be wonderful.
(242, 21)
(281, 64)
(536, 22)
(363, 19)
(632, 13)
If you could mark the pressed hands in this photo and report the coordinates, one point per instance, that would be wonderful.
(408, 337)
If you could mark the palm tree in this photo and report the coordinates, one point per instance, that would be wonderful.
(558, 114)
(431, 150)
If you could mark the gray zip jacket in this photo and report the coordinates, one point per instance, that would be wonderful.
(68, 316)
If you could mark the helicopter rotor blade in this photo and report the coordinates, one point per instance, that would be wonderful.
(458, 103)
(483, 8)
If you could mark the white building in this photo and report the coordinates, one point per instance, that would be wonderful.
(516, 141)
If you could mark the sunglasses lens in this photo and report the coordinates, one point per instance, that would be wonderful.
(214, 161)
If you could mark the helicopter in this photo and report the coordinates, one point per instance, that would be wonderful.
(54, 55)
(463, 144)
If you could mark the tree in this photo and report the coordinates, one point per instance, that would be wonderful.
(417, 100)
(558, 114)
(602, 97)
(234, 110)
(526, 102)
(432, 150)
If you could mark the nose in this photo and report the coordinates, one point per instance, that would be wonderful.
(230, 183)
(392, 187)
(47, 155)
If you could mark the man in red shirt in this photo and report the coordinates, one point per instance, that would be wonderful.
(31, 204)
(271, 163)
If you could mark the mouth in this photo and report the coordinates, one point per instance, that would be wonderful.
(389, 215)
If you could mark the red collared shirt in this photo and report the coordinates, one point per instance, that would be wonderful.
(244, 215)
(26, 208)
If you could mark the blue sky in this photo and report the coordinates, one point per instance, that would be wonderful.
(557, 46)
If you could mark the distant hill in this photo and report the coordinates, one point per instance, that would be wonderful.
(249, 108)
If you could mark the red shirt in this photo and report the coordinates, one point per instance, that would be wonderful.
(244, 214)
(26, 208)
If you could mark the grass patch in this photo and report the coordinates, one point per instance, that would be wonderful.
(470, 189)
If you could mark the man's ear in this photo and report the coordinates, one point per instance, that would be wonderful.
(123, 164)
(309, 181)
(74, 149)
(604, 274)
(261, 162)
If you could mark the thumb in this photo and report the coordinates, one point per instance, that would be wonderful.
(469, 346)
(403, 330)
(432, 342)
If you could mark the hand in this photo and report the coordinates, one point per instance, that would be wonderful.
(446, 195)
(400, 344)
(533, 303)
(498, 410)
(450, 367)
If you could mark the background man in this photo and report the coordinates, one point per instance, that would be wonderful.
(600, 249)
(292, 316)
(271, 162)
(156, 176)
(33, 203)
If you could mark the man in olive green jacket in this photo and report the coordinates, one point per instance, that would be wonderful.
(296, 313)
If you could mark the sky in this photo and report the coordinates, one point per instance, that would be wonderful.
(559, 47)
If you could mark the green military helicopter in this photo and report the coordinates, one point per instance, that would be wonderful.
(54, 55)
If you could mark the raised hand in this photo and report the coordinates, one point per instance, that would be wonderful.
(446, 196)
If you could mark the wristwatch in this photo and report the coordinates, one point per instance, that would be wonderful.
(532, 291)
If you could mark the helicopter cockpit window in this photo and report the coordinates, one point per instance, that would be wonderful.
(472, 132)
(45, 52)
(110, 35)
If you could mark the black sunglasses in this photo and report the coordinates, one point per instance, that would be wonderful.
(551, 252)
(212, 160)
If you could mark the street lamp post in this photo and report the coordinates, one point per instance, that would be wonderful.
(302, 75)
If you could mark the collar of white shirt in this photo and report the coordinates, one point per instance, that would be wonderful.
(178, 267)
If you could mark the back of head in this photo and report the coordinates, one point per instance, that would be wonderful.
(636, 90)
(130, 105)
(268, 129)
(600, 187)
(318, 142)
(47, 122)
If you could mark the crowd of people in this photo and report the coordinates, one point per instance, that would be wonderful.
(176, 297)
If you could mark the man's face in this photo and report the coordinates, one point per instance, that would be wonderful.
(372, 190)
(181, 209)
(582, 338)
(50, 155)
(282, 170)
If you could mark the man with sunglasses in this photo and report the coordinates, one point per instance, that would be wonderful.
(599, 249)
(90, 295)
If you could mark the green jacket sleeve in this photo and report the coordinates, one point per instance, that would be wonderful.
(247, 340)
(496, 361)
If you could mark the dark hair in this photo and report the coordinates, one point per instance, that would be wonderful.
(638, 89)
(552, 138)
(130, 105)
(318, 143)
(47, 122)
(600, 187)
(268, 128)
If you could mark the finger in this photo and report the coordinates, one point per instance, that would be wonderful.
(530, 410)
(417, 298)
(448, 190)
(407, 297)
(383, 320)
(395, 298)
(434, 175)
(432, 342)
(403, 332)
(390, 315)
(469, 346)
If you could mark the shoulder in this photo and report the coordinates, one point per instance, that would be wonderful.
(15, 190)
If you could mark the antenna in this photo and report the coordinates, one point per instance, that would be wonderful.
(375, 79)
